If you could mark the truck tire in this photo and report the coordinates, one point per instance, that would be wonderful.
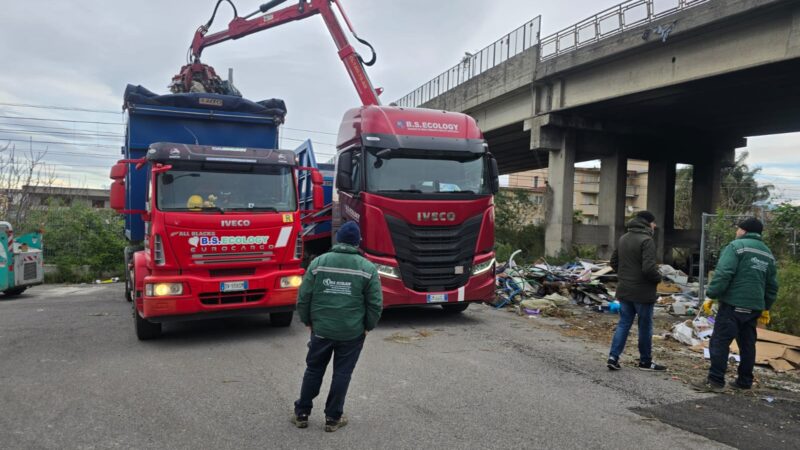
(145, 330)
(281, 319)
(14, 291)
(455, 307)
(129, 286)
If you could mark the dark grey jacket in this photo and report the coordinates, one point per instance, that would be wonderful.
(634, 260)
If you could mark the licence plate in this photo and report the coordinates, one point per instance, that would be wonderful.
(233, 286)
(437, 298)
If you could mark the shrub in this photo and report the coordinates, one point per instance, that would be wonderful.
(785, 313)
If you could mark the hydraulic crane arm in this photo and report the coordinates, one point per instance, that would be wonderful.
(243, 26)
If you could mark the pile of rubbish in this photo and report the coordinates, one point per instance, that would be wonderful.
(779, 351)
(541, 288)
(545, 289)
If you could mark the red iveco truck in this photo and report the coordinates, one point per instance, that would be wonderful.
(214, 229)
(419, 182)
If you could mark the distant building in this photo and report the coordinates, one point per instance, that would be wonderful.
(39, 197)
(587, 190)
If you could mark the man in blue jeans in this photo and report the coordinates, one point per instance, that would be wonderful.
(340, 300)
(634, 260)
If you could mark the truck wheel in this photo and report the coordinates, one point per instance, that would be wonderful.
(282, 319)
(14, 291)
(145, 330)
(455, 308)
(129, 287)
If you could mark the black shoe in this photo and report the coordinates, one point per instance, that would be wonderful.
(613, 364)
(707, 386)
(300, 420)
(652, 367)
(739, 387)
(333, 425)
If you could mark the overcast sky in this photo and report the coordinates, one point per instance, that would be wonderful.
(82, 53)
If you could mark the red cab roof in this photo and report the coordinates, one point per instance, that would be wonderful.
(394, 120)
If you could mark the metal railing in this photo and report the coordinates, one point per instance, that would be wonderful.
(473, 65)
(614, 20)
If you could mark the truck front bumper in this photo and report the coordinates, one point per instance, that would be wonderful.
(203, 298)
(479, 288)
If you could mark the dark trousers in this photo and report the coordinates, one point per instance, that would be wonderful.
(627, 312)
(345, 356)
(733, 323)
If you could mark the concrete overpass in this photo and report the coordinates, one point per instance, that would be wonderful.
(684, 84)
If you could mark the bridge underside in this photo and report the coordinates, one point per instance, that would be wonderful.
(757, 101)
(700, 122)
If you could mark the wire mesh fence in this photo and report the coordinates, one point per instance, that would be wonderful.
(718, 230)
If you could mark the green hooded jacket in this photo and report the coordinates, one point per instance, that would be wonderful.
(745, 275)
(341, 295)
(634, 260)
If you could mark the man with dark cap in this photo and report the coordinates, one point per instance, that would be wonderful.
(746, 285)
(634, 260)
(340, 301)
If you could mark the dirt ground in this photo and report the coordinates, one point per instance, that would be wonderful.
(684, 365)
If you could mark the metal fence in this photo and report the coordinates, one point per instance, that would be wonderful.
(473, 65)
(614, 20)
(719, 230)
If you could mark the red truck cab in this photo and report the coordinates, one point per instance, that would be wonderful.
(221, 235)
(420, 183)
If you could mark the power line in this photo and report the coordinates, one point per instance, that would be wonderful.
(61, 133)
(45, 127)
(62, 143)
(310, 131)
(62, 108)
(62, 120)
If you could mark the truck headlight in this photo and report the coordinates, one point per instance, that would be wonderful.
(388, 271)
(163, 289)
(480, 268)
(291, 282)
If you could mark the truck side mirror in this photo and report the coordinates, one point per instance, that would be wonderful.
(117, 193)
(318, 192)
(495, 175)
(344, 172)
(319, 197)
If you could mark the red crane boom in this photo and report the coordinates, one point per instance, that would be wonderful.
(240, 27)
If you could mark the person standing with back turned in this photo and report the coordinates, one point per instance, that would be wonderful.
(340, 301)
(746, 285)
(634, 260)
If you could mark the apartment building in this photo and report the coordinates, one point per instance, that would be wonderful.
(587, 190)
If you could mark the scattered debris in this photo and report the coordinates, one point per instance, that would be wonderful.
(582, 288)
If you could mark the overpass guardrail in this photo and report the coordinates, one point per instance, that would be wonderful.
(614, 20)
(472, 65)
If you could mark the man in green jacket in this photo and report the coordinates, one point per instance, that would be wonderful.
(746, 285)
(340, 301)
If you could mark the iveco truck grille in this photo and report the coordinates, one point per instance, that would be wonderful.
(434, 258)
(228, 298)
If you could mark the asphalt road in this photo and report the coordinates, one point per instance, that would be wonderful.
(73, 375)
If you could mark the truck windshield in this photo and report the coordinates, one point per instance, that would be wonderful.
(226, 187)
(400, 172)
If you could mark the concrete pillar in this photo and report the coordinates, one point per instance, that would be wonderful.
(561, 187)
(613, 181)
(661, 202)
(703, 182)
(722, 158)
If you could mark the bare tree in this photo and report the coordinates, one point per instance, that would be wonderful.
(23, 175)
